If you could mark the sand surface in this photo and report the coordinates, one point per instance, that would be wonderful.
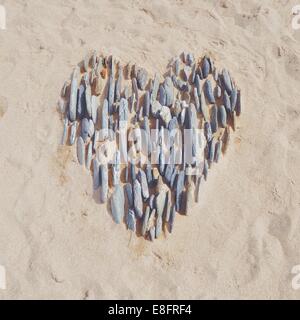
(241, 241)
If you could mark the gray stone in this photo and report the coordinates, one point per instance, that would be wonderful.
(117, 204)
(137, 199)
(80, 150)
(142, 78)
(131, 221)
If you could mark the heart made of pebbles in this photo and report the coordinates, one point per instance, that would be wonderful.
(148, 142)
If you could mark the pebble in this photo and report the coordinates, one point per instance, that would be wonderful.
(137, 199)
(117, 204)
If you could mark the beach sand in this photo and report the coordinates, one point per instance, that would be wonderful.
(240, 242)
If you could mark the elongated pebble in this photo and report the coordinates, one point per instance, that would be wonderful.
(142, 78)
(135, 91)
(145, 221)
(80, 150)
(193, 75)
(168, 172)
(182, 116)
(160, 202)
(96, 174)
(123, 110)
(132, 171)
(111, 127)
(197, 101)
(214, 119)
(218, 150)
(146, 135)
(146, 109)
(198, 84)
(115, 175)
(204, 108)
(207, 131)
(73, 132)
(226, 101)
(209, 92)
(129, 194)
(81, 105)
(162, 95)
(226, 81)
(238, 103)
(88, 100)
(73, 95)
(211, 153)
(172, 218)
(104, 120)
(118, 85)
(155, 88)
(158, 226)
(94, 106)
(152, 233)
(152, 201)
(91, 129)
(103, 170)
(172, 127)
(168, 206)
(149, 174)
(131, 221)
(173, 178)
(162, 162)
(137, 199)
(233, 99)
(144, 184)
(211, 64)
(215, 74)
(205, 169)
(117, 204)
(111, 93)
(179, 190)
(205, 68)
(222, 115)
(218, 92)
(169, 90)
(85, 129)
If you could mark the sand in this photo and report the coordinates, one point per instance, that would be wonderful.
(240, 242)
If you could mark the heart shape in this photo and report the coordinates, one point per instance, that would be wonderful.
(169, 133)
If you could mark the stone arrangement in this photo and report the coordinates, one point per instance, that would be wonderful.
(149, 142)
